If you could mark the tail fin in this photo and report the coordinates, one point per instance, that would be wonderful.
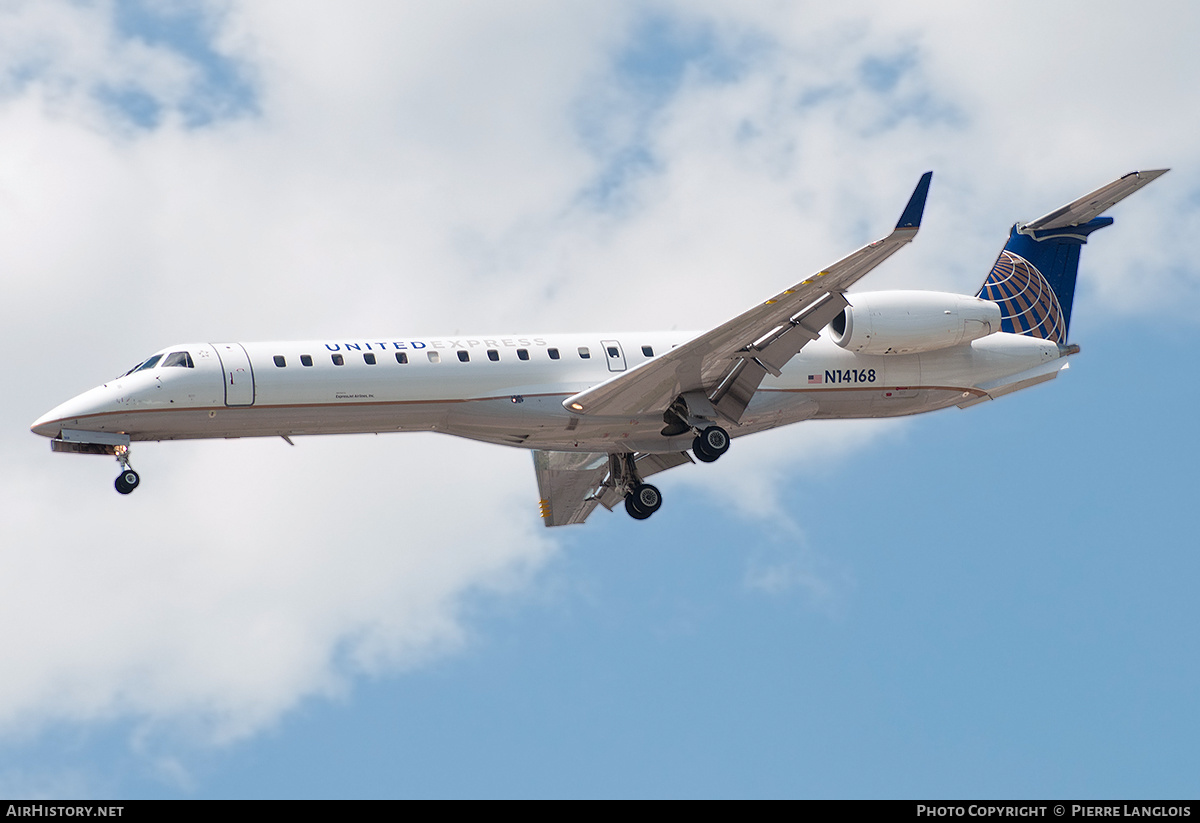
(1033, 279)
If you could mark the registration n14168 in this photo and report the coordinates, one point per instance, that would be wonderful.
(849, 375)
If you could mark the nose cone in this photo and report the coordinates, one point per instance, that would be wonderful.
(82, 412)
(47, 425)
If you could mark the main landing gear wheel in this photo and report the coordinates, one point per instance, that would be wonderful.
(127, 481)
(643, 501)
(710, 444)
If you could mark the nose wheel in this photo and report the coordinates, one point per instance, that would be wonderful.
(128, 479)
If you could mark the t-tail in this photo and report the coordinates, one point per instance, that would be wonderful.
(1033, 279)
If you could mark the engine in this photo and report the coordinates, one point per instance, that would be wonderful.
(904, 322)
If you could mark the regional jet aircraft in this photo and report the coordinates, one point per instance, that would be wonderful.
(602, 412)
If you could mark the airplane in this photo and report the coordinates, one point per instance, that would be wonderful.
(603, 412)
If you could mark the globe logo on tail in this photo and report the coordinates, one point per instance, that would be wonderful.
(1027, 303)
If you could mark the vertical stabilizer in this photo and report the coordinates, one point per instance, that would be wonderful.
(1033, 279)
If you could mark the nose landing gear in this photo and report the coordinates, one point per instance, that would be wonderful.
(128, 479)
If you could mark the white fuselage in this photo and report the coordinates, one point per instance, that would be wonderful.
(507, 390)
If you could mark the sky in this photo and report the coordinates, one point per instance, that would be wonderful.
(995, 602)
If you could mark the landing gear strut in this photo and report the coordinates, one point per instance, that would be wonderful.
(641, 499)
(694, 411)
(128, 479)
(710, 443)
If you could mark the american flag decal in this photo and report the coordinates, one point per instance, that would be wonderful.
(816, 378)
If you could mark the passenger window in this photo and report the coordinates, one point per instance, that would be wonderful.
(338, 360)
(522, 354)
(493, 355)
(584, 354)
(434, 357)
(149, 364)
(369, 358)
(401, 357)
(553, 353)
(179, 358)
(648, 351)
(464, 357)
(306, 360)
(612, 352)
(280, 361)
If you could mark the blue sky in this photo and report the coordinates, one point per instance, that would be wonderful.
(992, 602)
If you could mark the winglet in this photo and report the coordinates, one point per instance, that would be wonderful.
(911, 219)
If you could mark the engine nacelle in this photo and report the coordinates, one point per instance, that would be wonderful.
(904, 322)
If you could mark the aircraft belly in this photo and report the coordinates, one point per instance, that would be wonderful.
(541, 422)
(885, 403)
(841, 403)
(269, 421)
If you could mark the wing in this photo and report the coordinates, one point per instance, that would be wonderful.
(571, 484)
(728, 363)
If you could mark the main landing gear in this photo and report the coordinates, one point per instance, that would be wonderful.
(693, 411)
(128, 479)
(710, 443)
(643, 501)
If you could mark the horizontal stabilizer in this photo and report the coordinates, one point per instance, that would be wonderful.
(1096, 203)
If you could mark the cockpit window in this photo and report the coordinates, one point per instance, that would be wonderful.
(179, 358)
(149, 364)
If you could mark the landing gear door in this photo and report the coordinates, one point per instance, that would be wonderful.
(239, 376)
(613, 355)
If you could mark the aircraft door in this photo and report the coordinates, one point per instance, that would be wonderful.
(613, 355)
(239, 375)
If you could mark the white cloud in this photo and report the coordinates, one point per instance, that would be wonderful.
(757, 477)
(421, 167)
(228, 594)
(70, 54)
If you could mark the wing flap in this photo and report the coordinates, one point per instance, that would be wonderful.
(771, 353)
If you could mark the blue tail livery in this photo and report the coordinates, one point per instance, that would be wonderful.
(1033, 280)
